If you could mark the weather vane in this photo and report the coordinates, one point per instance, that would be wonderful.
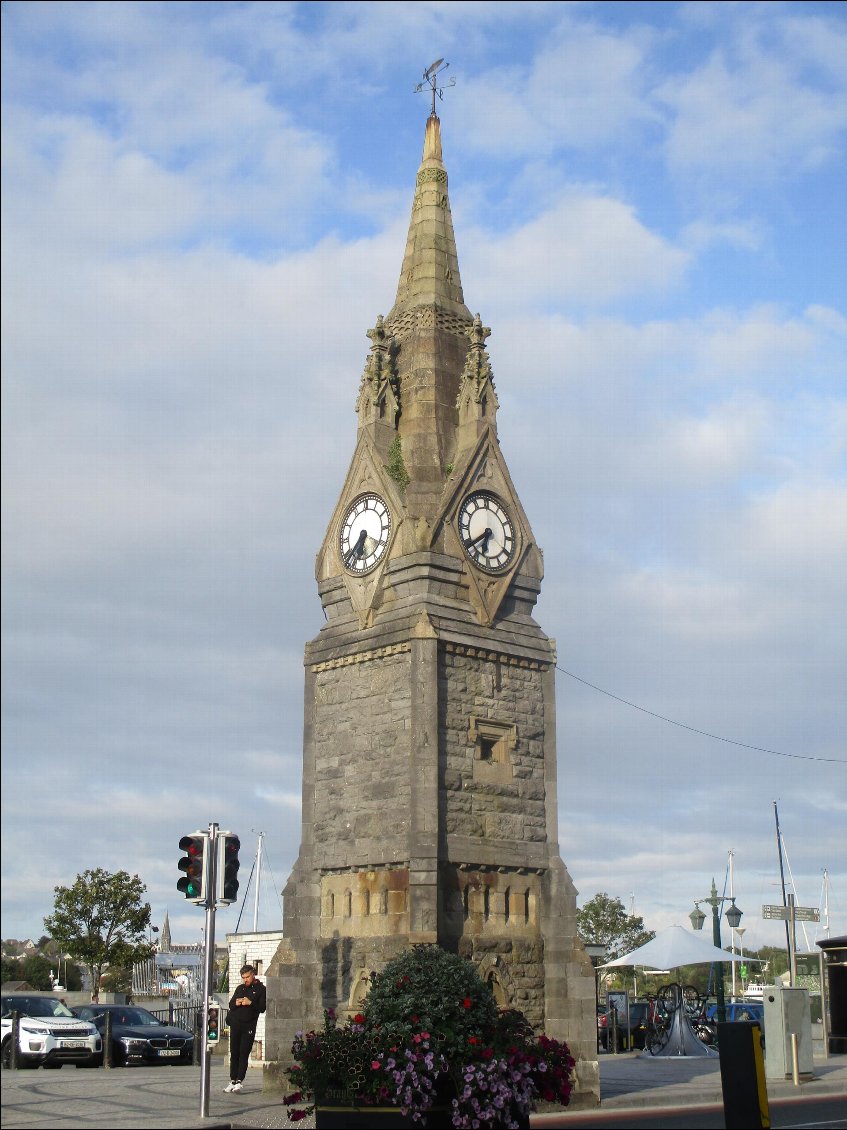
(430, 79)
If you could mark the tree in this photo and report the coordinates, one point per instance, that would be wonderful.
(603, 921)
(101, 920)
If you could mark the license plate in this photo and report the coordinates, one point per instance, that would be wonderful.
(170, 1051)
(73, 1044)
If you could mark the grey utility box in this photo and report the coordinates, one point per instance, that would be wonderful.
(787, 1013)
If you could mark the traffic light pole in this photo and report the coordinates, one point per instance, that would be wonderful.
(208, 969)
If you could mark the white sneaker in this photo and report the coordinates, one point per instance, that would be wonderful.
(235, 1087)
(230, 1087)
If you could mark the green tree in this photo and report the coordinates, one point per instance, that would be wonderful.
(11, 970)
(604, 921)
(101, 920)
(36, 969)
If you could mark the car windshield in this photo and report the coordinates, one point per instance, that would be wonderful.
(35, 1006)
(132, 1016)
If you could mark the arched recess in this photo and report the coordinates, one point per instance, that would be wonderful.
(494, 973)
(361, 985)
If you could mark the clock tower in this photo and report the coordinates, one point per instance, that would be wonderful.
(429, 760)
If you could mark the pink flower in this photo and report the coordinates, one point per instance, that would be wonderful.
(375, 1065)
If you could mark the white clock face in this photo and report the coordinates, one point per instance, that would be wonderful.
(486, 532)
(364, 533)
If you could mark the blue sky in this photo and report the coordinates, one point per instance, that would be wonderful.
(204, 209)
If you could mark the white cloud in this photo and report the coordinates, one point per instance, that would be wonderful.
(582, 251)
(766, 103)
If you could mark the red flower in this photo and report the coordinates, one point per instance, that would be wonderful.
(358, 1018)
(473, 1039)
(487, 1053)
(414, 1019)
(467, 1002)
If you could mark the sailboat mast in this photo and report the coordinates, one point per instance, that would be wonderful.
(258, 883)
(782, 877)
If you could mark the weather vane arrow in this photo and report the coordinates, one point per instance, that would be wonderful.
(430, 79)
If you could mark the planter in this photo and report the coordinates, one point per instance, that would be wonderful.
(386, 1118)
(379, 1118)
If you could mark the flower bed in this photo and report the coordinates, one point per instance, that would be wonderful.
(430, 1035)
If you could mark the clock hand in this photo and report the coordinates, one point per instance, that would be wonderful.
(358, 549)
(484, 537)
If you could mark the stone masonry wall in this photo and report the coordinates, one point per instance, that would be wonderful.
(493, 735)
(362, 786)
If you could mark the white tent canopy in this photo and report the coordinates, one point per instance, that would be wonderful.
(674, 947)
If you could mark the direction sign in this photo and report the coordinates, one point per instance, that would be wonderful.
(807, 914)
(799, 913)
(775, 912)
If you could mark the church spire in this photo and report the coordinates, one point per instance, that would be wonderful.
(430, 272)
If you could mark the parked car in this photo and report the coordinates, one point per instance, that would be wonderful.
(49, 1033)
(138, 1037)
(738, 1010)
(633, 1037)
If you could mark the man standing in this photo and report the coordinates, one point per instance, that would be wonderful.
(246, 1005)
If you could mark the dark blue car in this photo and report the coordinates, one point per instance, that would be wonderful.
(739, 1010)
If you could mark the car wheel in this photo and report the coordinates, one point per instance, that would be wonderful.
(24, 1063)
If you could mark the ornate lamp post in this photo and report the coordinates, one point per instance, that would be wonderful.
(733, 917)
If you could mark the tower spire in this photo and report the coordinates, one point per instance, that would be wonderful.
(430, 272)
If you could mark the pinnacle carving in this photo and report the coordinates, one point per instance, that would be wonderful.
(379, 389)
(477, 399)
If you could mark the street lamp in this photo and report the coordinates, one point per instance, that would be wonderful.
(733, 917)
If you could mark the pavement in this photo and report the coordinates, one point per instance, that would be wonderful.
(169, 1097)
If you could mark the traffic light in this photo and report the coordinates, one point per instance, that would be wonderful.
(195, 864)
(227, 885)
(213, 1022)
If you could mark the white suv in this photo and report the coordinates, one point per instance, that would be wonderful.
(50, 1034)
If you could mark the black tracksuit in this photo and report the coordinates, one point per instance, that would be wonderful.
(242, 1020)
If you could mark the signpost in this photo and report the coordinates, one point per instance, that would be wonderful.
(792, 914)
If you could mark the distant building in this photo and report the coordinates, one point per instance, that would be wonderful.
(254, 949)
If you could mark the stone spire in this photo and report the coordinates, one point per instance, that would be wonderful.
(429, 325)
(430, 273)
(165, 942)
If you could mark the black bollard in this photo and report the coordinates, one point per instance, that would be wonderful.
(15, 1044)
(107, 1040)
(745, 1095)
(198, 1036)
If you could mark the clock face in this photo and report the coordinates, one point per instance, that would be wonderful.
(364, 533)
(486, 532)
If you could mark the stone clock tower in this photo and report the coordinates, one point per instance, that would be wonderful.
(429, 762)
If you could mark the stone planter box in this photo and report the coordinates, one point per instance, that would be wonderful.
(385, 1118)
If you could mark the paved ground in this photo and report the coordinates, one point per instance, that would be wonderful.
(169, 1097)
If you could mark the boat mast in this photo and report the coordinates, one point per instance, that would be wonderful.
(258, 883)
(782, 880)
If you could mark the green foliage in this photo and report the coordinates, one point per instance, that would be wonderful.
(604, 921)
(777, 963)
(395, 465)
(36, 970)
(11, 970)
(428, 988)
(117, 979)
(101, 920)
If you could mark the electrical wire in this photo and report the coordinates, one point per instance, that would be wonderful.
(694, 730)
